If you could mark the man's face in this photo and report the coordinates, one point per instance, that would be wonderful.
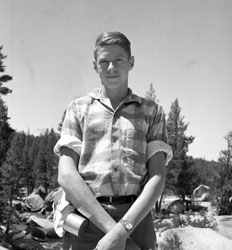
(113, 65)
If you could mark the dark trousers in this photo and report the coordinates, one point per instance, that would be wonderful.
(143, 235)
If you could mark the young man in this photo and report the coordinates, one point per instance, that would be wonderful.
(113, 151)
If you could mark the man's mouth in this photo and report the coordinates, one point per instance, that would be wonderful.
(112, 76)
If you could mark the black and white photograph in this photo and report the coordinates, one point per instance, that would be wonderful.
(115, 125)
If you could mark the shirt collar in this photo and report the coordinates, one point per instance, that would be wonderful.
(97, 94)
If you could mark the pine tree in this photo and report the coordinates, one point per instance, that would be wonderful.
(150, 94)
(225, 160)
(180, 168)
(33, 155)
(4, 78)
(46, 161)
(12, 173)
(5, 129)
(40, 163)
(52, 161)
(177, 131)
(28, 155)
(207, 174)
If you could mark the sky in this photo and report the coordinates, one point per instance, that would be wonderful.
(182, 47)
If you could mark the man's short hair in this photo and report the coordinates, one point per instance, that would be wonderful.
(111, 38)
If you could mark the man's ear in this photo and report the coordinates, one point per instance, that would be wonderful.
(95, 66)
(132, 62)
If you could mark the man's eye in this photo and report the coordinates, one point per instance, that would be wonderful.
(104, 62)
(119, 60)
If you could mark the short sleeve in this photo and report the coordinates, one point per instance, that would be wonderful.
(71, 135)
(157, 138)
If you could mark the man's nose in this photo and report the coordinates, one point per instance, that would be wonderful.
(111, 66)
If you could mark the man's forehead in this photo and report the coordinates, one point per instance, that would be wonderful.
(111, 51)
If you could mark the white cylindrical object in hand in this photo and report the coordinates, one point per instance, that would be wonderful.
(75, 224)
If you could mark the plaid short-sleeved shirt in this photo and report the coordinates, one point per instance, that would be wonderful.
(114, 145)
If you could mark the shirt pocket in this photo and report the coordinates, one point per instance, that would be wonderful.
(135, 145)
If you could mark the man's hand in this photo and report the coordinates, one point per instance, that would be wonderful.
(116, 239)
(111, 242)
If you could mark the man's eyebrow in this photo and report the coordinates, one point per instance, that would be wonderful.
(110, 58)
(116, 57)
(103, 59)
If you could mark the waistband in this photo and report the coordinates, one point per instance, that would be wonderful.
(117, 199)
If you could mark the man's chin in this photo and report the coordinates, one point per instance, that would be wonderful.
(111, 81)
(111, 85)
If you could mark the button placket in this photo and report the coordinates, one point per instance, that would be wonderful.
(115, 154)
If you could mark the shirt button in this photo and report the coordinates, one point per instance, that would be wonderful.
(114, 139)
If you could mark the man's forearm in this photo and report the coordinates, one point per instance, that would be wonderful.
(145, 201)
(79, 193)
(151, 191)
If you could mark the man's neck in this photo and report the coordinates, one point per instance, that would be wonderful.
(115, 97)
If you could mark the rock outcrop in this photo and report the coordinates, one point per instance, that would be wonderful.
(191, 238)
